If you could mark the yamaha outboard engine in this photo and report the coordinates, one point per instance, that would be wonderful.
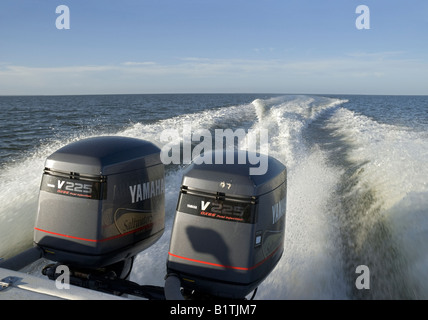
(228, 231)
(101, 202)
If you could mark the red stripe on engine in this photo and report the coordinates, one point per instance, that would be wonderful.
(224, 266)
(94, 240)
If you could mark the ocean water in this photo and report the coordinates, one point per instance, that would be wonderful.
(357, 179)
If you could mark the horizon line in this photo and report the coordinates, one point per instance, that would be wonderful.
(206, 93)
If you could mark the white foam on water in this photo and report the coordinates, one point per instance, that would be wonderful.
(393, 163)
(311, 264)
(19, 190)
(395, 157)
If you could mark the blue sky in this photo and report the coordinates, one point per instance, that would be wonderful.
(193, 46)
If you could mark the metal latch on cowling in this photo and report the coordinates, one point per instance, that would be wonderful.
(7, 282)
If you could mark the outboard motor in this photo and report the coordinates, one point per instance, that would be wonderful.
(228, 232)
(101, 202)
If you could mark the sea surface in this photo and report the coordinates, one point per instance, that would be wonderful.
(357, 179)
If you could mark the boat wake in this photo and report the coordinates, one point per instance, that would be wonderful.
(357, 195)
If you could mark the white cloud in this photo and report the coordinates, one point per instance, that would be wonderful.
(133, 63)
(381, 72)
(376, 55)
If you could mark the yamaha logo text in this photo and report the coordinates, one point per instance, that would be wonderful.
(143, 191)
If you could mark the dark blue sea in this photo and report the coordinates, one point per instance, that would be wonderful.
(357, 179)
